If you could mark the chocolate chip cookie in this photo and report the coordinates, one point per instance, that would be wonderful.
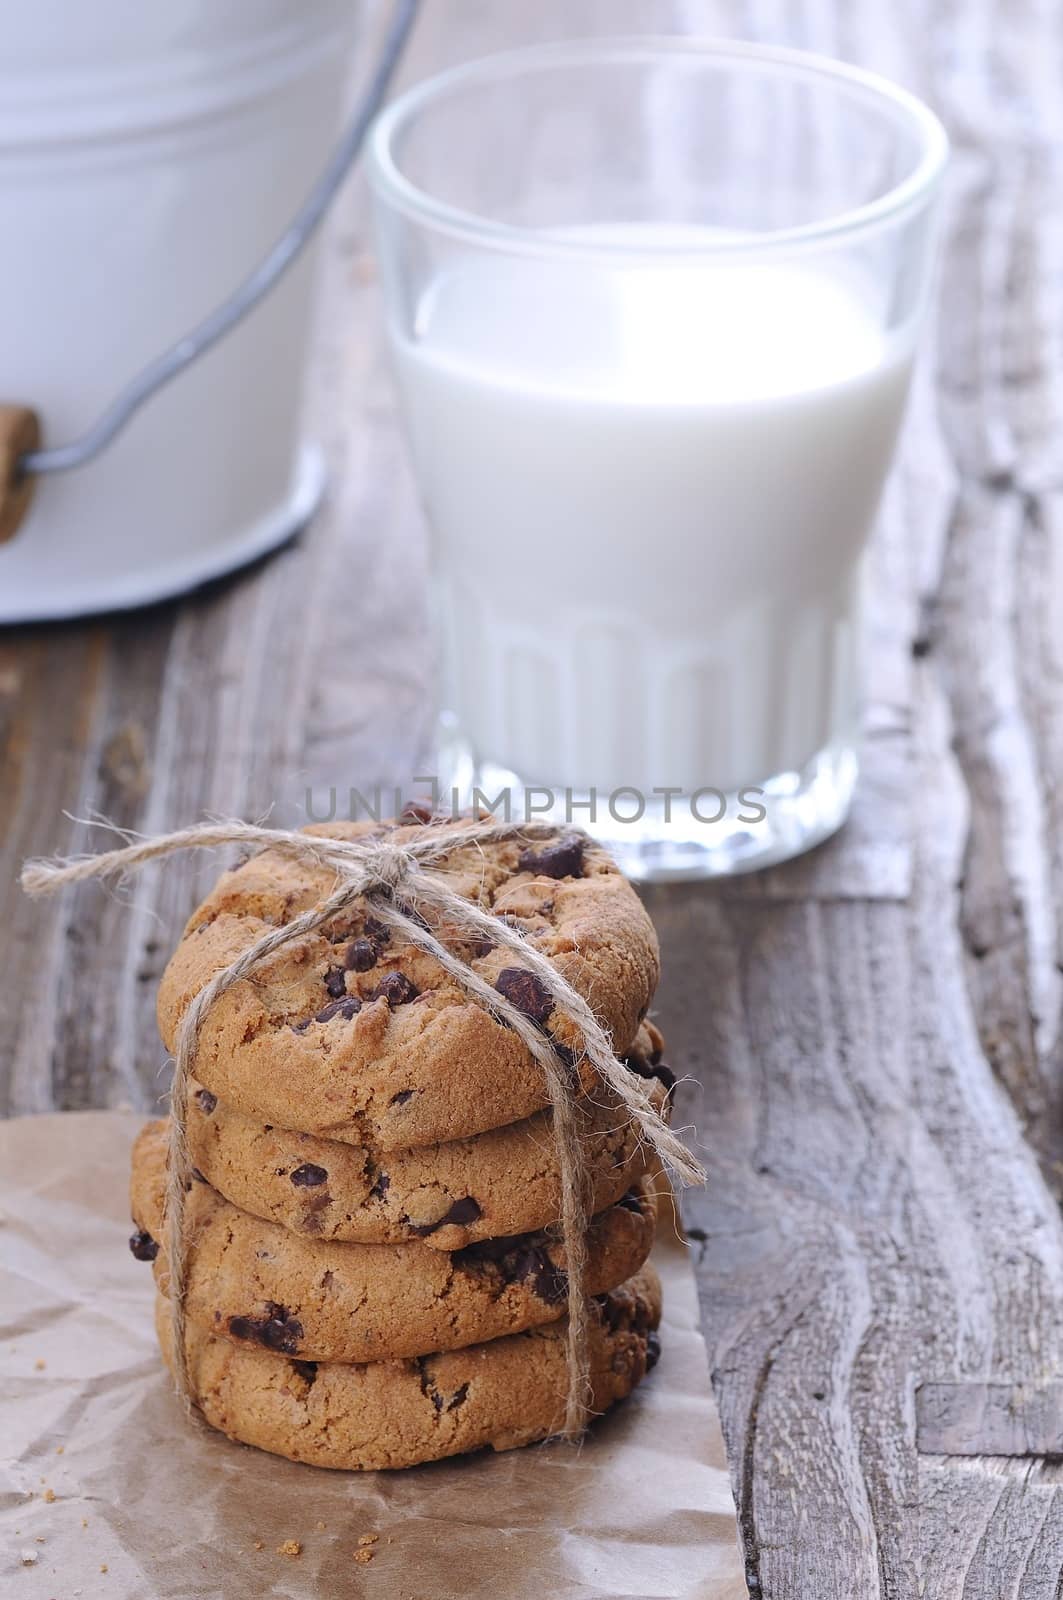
(258, 1284)
(398, 1413)
(358, 1035)
(505, 1181)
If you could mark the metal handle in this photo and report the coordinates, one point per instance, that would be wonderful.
(192, 345)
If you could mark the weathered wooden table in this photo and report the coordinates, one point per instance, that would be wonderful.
(873, 1033)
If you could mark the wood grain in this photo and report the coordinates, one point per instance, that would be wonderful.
(871, 1036)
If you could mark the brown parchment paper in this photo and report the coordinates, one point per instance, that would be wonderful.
(643, 1508)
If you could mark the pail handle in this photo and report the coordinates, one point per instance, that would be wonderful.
(22, 460)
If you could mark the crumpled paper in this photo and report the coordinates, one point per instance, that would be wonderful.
(105, 1489)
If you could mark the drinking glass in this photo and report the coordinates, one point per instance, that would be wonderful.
(653, 306)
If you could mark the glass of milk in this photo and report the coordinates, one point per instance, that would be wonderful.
(653, 306)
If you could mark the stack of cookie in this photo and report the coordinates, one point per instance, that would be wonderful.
(375, 1274)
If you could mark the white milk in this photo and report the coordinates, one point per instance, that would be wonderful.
(650, 486)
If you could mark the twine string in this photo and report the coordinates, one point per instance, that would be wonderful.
(398, 881)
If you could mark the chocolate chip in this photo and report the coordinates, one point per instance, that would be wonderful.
(334, 983)
(462, 1211)
(547, 1279)
(361, 955)
(308, 1176)
(376, 930)
(306, 1369)
(401, 1098)
(567, 1057)
(524, 990)
(653, 1068)
(276, 1330)
(631, 1201)
(610, 1311)
(381, 1185)
(430, 1392)
(143, 1246)
(346, 1008)
(481, 947)
(561, 859)
(415, 811)
(653, 1350)
(524, 1259)
(428, 1388)
(396, 989)
(207, 1101)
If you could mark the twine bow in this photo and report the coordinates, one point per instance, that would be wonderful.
(398, 881)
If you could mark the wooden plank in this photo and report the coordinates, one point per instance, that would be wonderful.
(49, 740)
(804, 1296)
(994, 641)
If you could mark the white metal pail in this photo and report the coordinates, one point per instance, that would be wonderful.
(149, 156)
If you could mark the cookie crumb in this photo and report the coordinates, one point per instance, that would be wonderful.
(290, 1547)
(28, 1557)
(59, 1449)
(258, 1544)
(320, 1527)
(40, 1364)
(103, 1566)
(84, 1522)
(369, 1538)
(363, 1556)
(49, 1495)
